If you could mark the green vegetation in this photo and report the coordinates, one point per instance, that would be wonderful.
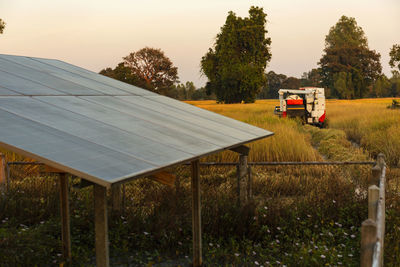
(148, 68)
(348, 67)
(395, 57)
(235, 66)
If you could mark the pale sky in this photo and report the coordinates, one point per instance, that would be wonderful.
(95, 34)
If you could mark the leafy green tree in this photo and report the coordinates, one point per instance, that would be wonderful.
(395, 84)
(274, 83)
(122, 73)
(346, 32)
(341, 84)
(154, 70)
(382, 87)
(2, 26)
(395, 57)
(235, 65)
(147, 68)
(346, 51)
(182, 91)
(311, 78)
(201, 94)
(291, 83)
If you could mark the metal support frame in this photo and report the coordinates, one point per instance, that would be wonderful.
(196, 214)
(101, 226)
(65, 219)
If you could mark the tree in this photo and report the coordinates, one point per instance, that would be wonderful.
(291, 83)
(343, 84)
(147, 68)
(311, 78)
(2, 26)
(382, 87)
(153, 69)
(235, 65)
(274, 83)
(346, 52)
(182, 91)
(395, 84)
(395, 57)
(123, 74)
(201, 94)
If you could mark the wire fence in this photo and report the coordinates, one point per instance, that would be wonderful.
(373, 229)
(284, 182)
(259, 179)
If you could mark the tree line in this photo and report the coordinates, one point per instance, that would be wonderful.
(235, 65)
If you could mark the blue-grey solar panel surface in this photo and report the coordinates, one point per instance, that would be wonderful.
(101, 129)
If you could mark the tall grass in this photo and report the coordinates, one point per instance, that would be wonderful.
(368, 123)
(290, 142)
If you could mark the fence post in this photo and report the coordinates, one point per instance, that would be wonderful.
(3, 172)
(373, 196)
(376, 175)
(382, 165)
(381, 160)
(368, 240)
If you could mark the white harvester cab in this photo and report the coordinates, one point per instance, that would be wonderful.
(307, 103)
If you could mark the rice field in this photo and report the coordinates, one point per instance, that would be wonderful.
(366, 123)
(299, 216)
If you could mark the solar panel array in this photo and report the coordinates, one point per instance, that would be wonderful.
(102, 129)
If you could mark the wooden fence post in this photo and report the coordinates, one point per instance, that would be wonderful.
(3, 172)
(196, 214)
(65, 219)
(382, 165)
(368, 240)
(381, 160)
(373, 197)
(376, 175)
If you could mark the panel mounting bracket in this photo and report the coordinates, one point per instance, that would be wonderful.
(243, 150)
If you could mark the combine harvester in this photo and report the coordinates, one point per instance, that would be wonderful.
(307, 103)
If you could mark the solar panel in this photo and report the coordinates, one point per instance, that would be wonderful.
(101, 129)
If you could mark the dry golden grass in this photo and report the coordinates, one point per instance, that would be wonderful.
(366, 122)
(370, 124)
(290, 142)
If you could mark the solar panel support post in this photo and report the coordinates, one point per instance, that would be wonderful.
(65, 219)
(196, 214)
(101, 226)
(244, 187)
(3, 172)
(116, 198)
